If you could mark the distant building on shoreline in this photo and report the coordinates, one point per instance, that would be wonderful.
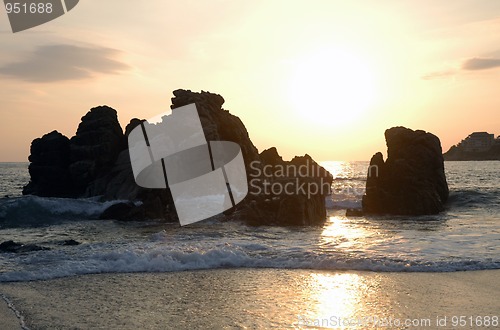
(476, 146)
(478, 142)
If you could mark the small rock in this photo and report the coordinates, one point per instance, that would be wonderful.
(13, 247)
(118, 211)
(70, 242)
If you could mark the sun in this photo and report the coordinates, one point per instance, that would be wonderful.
(332, 87)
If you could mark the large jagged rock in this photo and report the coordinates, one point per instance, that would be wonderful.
(119, 182)
(65, 167)
(300, 205)
(218, 124)
(271, 157)
(99, 165)
(287, 192)
(412, 180)
(95, 147)
(50, 158)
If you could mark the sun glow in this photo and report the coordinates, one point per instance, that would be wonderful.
(333, 87)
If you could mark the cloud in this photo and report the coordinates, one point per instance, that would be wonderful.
(439, 74)
(471, 64)
(478, 63)
(61, 62)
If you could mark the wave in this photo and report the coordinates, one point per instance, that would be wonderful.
(166, 259)
(342, 204)
(474, 198)
(34, 210)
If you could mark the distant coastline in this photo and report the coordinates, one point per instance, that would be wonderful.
(457, 155)
(478, 146)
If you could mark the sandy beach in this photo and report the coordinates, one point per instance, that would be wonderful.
(258, 298)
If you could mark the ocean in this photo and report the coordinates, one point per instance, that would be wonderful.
(465, 237)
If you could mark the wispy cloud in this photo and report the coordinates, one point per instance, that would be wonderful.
(470, 64)
(62, 62)
(439, 74)
(478, 63)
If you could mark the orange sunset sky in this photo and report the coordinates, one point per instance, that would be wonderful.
(319, 77)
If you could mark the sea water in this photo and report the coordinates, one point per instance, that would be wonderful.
(464, 237)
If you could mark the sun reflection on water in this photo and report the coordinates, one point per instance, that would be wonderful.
(337, 168)
(340, 232)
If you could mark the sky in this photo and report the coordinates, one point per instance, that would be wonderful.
(325, 78)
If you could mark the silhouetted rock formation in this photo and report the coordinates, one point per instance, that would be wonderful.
(412, 180)
(65, 167)
(96, 162)
(218, 124)
(95, 147)
(271, 157)
(50, 159)
(287, 193)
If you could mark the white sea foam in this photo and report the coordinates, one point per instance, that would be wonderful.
(162, 258)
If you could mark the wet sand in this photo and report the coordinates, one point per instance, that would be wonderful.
(259, 299)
